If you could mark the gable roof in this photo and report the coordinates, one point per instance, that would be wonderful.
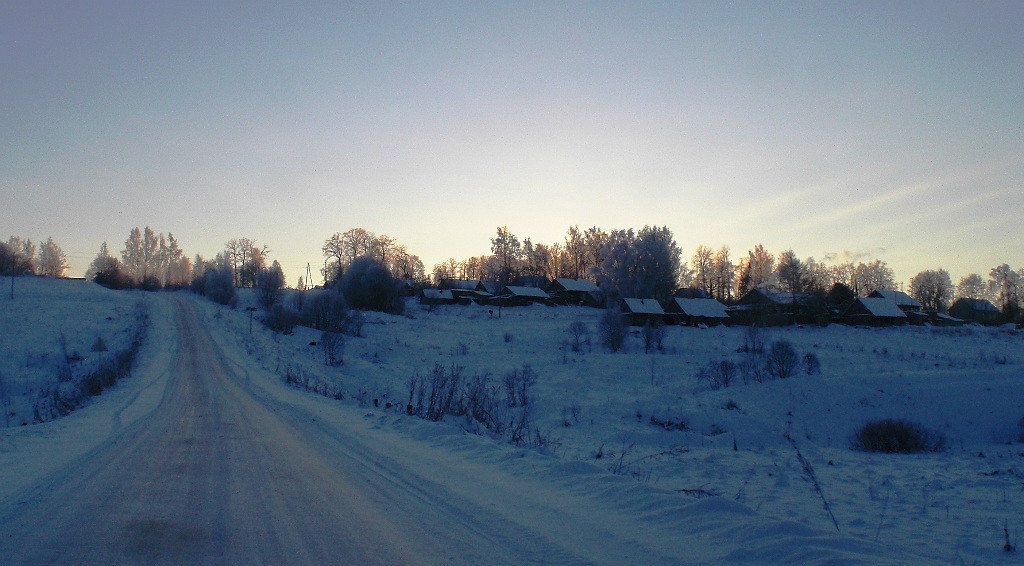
(777, 297)
(899, 297)
(707, 308)
(464, 284)
(881, 307)
(579, 285)
(643, 306)
(518, 291)
(980, 305)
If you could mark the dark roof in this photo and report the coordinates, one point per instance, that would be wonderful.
(980, 305)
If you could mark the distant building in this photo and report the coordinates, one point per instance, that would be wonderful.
(915, 313)
(874, 311)
(697, 311)
(980, 311)
(516, 296)
(640, 312)
(567, 291)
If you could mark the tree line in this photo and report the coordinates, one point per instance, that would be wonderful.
(20, 257)
(623, 262)
(648, 263)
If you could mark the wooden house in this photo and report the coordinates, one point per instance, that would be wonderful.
(437, 297)
(980, 311)
(516, 296)
(761, 307)
(696, 311)
(567, 291)
(874, 311)
(641, 312)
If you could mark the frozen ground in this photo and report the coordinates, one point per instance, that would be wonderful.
(664, 495)
(967, 383)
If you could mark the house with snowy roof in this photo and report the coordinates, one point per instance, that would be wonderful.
(641, 312)
(874, 311)
(517, 296)
(437, 297)
(568, 291)
(696, 311)
(905, 302)
(980, 311)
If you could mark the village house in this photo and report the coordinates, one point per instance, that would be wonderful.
(980, 311)
(873, 311)
(580, 292)
(516, 296)
(692, 312)
(641, 312)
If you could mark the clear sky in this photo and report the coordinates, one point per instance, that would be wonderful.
(891, 130)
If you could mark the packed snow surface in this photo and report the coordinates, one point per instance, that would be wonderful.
(634, 460)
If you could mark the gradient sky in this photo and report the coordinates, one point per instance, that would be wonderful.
(891, 130)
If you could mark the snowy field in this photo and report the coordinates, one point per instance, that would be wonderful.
(596, 407)
(55, 332)
(724, 481)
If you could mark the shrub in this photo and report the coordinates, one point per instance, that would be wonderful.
(325, 310)
(99, 345)
(811, 363)
(150, 283)
(612, 329)
(897, 436)
(113, 277)
(217, 284)
(333, 345)
(367, 284)
(281, 319)
(578, 330)
(718, 374)
(781, 360)
(653, 334)
(517, 385)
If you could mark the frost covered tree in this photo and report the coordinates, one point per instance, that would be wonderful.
(657, 257)
(703, 265)
(367, 284)
(790, 273)
(52, 260)
(724, 275)
(616, 275)
(575, 254)
(1004, 285)
(102, 262)
(972, 287)
(269, 283)
(508, 253)
(869, 277)
(17, 257)
(933, 289)
(754, 270)
(594, 240)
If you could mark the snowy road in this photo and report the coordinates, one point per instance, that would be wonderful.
(220, 475)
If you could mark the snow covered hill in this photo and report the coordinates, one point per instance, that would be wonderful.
(628, 447)
(648, 418)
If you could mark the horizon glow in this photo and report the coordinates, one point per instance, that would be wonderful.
(867, 130)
